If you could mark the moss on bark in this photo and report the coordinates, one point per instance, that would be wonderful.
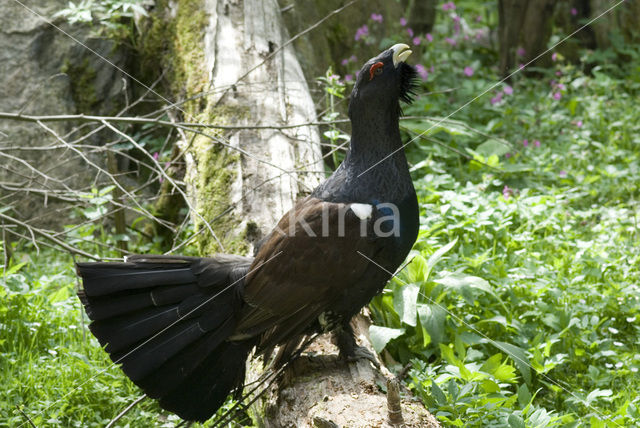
(175, 45)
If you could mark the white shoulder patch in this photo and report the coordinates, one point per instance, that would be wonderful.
(362, 210)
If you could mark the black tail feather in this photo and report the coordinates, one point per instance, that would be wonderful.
(167, 321)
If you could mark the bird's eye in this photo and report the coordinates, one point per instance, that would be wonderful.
(375, 70)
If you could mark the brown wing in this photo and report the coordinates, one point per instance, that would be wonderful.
(307, 262)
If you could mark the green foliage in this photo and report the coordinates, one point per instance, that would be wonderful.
(334, 90)
(113, 16)
(520, 305)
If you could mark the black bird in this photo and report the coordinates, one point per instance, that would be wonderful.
(182, 328)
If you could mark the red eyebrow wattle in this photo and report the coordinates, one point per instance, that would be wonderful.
(373, 69)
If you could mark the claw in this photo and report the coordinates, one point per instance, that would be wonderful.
(360, 353)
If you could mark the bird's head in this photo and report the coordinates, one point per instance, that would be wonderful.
(383, 81)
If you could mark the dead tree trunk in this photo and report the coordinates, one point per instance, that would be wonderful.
(228, 63)
(231, 62)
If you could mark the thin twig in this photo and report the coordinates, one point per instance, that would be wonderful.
(26, 416)
(124, 412)
(37, 231)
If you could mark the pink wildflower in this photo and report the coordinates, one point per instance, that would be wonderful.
(362, 32)
(449, 6)
(403, 21)
(422, 71)
(468, 71)
(508, 90)
(429, 37)
(376, 17)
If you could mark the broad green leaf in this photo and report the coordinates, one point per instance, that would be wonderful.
(492, 364)
(405, 299)
(418, 269)
(524, 396)
(519, 358)
(516, 421)
(598, 393)
(437, 393)
(493, 147)
(448, 355)
(380, 336)
(59, 295)
(432, 318)
(465, 285)
(437, 255)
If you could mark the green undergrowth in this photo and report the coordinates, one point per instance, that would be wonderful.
(521, 305)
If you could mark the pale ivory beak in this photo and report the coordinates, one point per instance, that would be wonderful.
(400, 53)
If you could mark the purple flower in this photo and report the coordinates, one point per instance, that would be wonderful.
(479, 18)
(344, 61)
(353, 58)
(521, 52)
(431, 69)
(451, 41)
(456, 24)
(495, 100)
(410, 31)
(525, 142)
(508, 90)
(468, 71)
(557, 96)
(562, 173)
(348, 78)
(554, 56)
(507, 192)
(507, 155)
(536, 143)
(561, 86)
(376, 17)
(449, 6)
(403, 21)
(429, 37)
(362, 32)
(579, 124)
(416, 41)
(574, 11)
(422, 71)
(156, 155)
(558, 73)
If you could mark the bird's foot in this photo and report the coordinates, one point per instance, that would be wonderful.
(360, 353)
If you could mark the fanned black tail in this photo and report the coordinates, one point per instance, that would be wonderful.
(166, 320)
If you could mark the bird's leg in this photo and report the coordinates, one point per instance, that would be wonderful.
(349, 350)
